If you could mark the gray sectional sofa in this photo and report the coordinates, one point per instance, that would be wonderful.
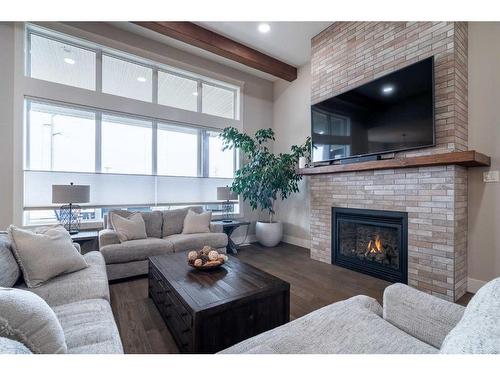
(410, 322)
(80, 301)
(164, 235)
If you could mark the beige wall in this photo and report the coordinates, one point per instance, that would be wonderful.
(484, 136)
(292, 123)
(6, 121)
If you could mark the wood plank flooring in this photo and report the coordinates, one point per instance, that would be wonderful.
(313, 285)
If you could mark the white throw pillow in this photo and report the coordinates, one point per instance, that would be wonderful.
(45, 254)
(25, 317)
(197, 223)
(131, 228)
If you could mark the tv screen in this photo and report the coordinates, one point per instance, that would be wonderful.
(392, 113)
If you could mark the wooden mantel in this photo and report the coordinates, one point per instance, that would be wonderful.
(463, 158)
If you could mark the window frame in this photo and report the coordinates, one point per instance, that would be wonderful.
(203, 136)
(156, 67)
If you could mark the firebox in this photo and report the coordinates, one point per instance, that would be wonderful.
(371, 241)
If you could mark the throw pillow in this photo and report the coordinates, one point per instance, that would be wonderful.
(197, 223)
(9, 270)
(45, 254)
(25, 317)
(131, 228)
(173, 220)
(478, 331)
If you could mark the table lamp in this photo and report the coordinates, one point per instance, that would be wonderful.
(224, 193)
(69, 213)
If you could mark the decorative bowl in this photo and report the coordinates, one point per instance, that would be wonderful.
(206, 259)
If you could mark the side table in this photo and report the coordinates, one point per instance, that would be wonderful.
(228, 227)
(84, 239)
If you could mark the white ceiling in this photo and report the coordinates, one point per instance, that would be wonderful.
(289, 42)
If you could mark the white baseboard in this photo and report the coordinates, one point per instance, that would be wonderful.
(473, 285)
(297, 241)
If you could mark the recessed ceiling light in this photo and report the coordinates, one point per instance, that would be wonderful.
(387, 89)
(195, 93)
(67, 60)
(264, 28)
(141, 79)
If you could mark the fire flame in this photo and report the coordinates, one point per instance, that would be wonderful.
(375, 247)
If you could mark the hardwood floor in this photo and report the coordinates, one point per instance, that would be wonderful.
(312, 285)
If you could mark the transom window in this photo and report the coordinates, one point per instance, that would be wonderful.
(69, 61)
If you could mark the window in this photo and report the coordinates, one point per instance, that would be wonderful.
(126, 145)
(177, 91)
(218, 101)
(123, 78)
(68, 61)
(60, 62)
(178, 150)
(60, 138)
(220, 163)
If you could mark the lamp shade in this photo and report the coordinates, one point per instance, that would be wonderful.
(224, 193)
(70, 193)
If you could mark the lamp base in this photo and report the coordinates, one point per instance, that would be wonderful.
(69, 217)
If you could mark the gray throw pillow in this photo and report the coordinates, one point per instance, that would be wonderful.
(9, 269)
(25, 317)
(44, 254)
(131, 228)
(173, 220)
(478, 332)
(197, 223)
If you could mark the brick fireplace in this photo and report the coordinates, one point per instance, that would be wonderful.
(348, 54)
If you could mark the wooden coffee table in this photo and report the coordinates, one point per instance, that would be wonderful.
(207, 311)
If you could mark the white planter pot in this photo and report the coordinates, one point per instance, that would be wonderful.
(269, 234)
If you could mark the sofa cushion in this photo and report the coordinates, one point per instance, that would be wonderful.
(196, 241)
(351, 326)
(9, 270)
(152, 219)
(27, 318)
(197, 223)
(173, 220)
(8, 346)
(129, 228)
(89, 283)
(478, 332)
(45, 254)
(89, 327)
(136, 250)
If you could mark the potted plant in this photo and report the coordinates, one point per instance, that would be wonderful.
(265, 176)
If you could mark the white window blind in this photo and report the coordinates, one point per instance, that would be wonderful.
(177, 91)
(125, 78)
(107, 190)
(60, 62)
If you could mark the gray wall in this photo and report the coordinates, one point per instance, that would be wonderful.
(484, 136)
(291, 123)
(257, 96)
(6, 122)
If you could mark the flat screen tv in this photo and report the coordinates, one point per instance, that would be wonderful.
(392, 113)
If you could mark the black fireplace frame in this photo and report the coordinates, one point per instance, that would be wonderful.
(379, 218)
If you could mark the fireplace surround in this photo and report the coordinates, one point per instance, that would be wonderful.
(374, 242)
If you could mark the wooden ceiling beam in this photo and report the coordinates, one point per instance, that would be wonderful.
(200, 37)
